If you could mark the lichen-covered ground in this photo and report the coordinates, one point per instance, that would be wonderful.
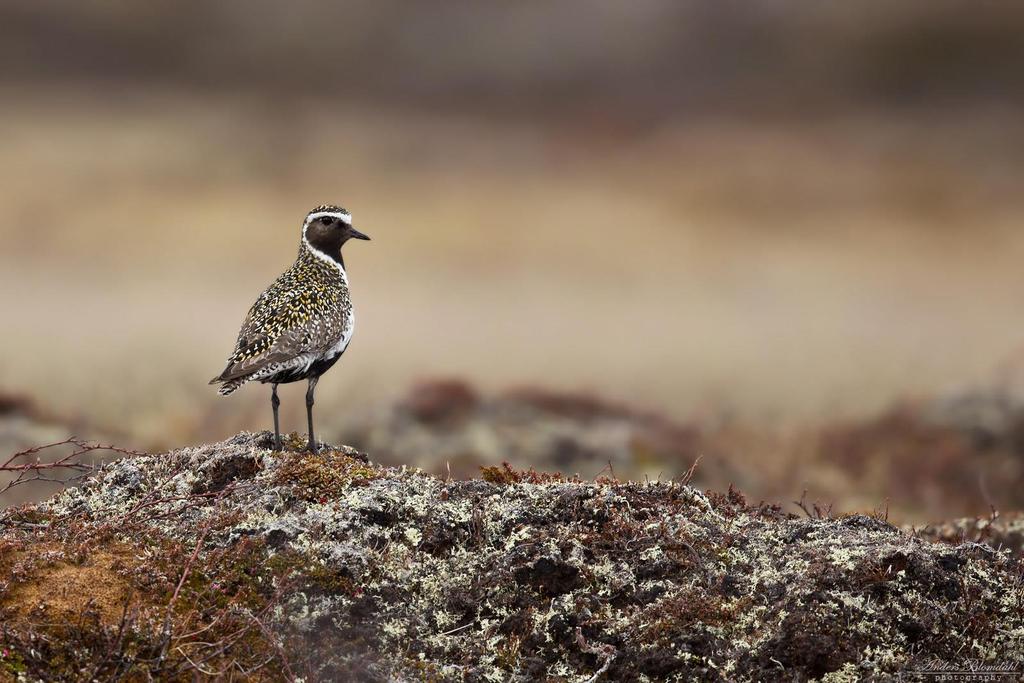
(1003, 532)
(233, 560)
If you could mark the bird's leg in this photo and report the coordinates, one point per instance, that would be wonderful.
(275, 403)
(309, 412)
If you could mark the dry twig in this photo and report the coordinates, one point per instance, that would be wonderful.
(64, 470)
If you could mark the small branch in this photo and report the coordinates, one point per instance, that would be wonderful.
(81, 448)
(802, 505)
(605, 651)
(117, 641)
(688, 477)
(457, 629)
(181, 582)
(25, 471)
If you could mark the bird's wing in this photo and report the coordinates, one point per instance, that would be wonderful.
(280, 326)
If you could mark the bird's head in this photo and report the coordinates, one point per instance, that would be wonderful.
(328, 227)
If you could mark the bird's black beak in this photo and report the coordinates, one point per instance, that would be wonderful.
(355, 234)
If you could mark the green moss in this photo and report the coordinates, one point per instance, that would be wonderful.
(11, 663)
(500, 475)
(323, 476)
(304, 575)
(506, 474)
(294, 442)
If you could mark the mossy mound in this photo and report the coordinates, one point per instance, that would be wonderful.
(233, 560)
(1003, 532)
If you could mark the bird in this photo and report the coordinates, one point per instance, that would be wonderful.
(302, 323)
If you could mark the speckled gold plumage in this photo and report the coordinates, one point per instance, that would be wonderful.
(301, 319)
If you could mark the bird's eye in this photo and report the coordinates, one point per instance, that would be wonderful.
(326, 220)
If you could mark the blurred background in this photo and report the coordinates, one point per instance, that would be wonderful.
(608, 237)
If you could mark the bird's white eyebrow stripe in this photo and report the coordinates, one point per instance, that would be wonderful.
(344, 217)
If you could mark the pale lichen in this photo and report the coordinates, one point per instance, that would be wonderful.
(394, 574)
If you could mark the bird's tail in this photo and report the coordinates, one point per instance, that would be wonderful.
(230, 386)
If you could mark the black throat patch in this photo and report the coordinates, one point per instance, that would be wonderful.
(326, 240)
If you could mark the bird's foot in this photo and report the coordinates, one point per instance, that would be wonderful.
(312, 447)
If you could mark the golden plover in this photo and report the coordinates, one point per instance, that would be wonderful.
(302, 323)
